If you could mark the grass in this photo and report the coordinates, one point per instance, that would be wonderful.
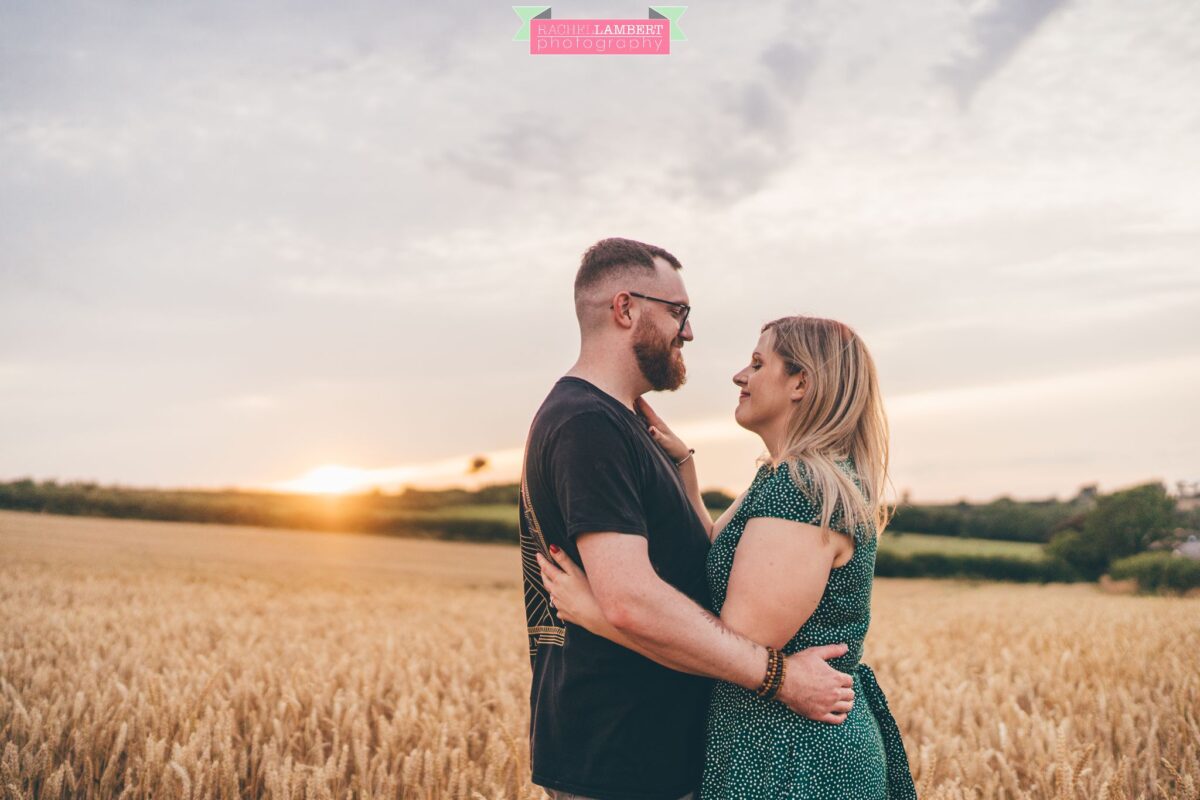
(900, 543)
(908, 543)
(496, 512)
(179, 660)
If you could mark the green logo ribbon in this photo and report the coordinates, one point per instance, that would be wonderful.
(672, 13)
(527, 13)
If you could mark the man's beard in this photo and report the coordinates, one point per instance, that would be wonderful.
(659, 360)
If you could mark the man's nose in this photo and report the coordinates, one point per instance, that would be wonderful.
(686, 334)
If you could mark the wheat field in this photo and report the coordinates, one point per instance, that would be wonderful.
(174, 660)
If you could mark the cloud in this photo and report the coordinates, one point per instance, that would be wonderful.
(529, 154)
(790, 65)
(203, 200)
(995, 34)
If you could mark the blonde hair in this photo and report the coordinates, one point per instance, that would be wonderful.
(840, 416)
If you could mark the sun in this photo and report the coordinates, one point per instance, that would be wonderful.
(328, 479)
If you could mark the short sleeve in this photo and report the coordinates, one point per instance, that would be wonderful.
(791, 494)
(595, 472)
(783, 498)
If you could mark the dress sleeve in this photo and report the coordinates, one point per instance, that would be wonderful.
(595, 477)
(791, 494)
(783, 498)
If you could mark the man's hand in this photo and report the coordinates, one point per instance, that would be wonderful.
(816, 690)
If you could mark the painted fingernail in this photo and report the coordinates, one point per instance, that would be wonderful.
(553, 548)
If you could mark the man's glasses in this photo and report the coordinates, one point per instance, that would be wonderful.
(683, 309)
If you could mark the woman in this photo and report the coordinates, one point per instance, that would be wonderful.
(791, 566)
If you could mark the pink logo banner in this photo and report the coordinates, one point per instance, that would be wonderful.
(600, 37)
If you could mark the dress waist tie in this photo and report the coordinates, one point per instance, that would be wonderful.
(899, 776)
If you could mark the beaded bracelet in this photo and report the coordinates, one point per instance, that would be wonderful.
(778, 682)
(773, 678)
(772, 668)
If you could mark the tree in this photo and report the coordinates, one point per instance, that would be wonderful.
(1121, 524)
(715, 498)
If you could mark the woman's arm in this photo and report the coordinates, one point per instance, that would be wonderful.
(691, 482)
(779, 574)
(678, 451)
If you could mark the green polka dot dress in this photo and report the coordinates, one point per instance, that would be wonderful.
(760, 750)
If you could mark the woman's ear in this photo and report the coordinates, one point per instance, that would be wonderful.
(797, 385)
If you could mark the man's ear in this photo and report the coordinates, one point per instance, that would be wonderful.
(621, 306)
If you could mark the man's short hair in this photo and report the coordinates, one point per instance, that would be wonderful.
(611, 256)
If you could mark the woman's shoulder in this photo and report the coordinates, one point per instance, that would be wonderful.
(788, 492)
(798, 473)
(793, 489)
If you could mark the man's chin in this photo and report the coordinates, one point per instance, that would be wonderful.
(670, 384)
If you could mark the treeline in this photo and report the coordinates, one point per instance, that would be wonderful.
(1005, 518)
(1158, 572)
(1126, 534)
(401, 514)
(890, 564)
(1084, 536)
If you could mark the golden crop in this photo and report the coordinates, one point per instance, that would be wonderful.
(161, 660)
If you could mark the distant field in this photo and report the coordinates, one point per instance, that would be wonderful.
(908, 543)
(180, 660)
(903, 543)
(498, 512)
(490, 515)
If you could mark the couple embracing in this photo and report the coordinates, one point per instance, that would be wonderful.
(675, 657)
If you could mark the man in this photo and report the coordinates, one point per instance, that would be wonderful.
(607, 722)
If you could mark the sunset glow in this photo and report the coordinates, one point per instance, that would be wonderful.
(999, 197)
(499, 466)
(328, 479)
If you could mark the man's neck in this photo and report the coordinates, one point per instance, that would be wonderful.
(609, 379)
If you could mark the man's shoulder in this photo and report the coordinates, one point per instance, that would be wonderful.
(571, 405)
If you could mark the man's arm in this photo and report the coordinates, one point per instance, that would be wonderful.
(663, 621)
(582, 609)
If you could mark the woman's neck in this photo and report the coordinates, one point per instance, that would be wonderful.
(773, 439)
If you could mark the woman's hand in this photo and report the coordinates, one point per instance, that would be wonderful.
(678, 452)
(570, 593)
(661, 434)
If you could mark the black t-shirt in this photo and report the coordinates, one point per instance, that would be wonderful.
(605, 721)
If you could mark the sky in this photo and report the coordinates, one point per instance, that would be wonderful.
(307, 247)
